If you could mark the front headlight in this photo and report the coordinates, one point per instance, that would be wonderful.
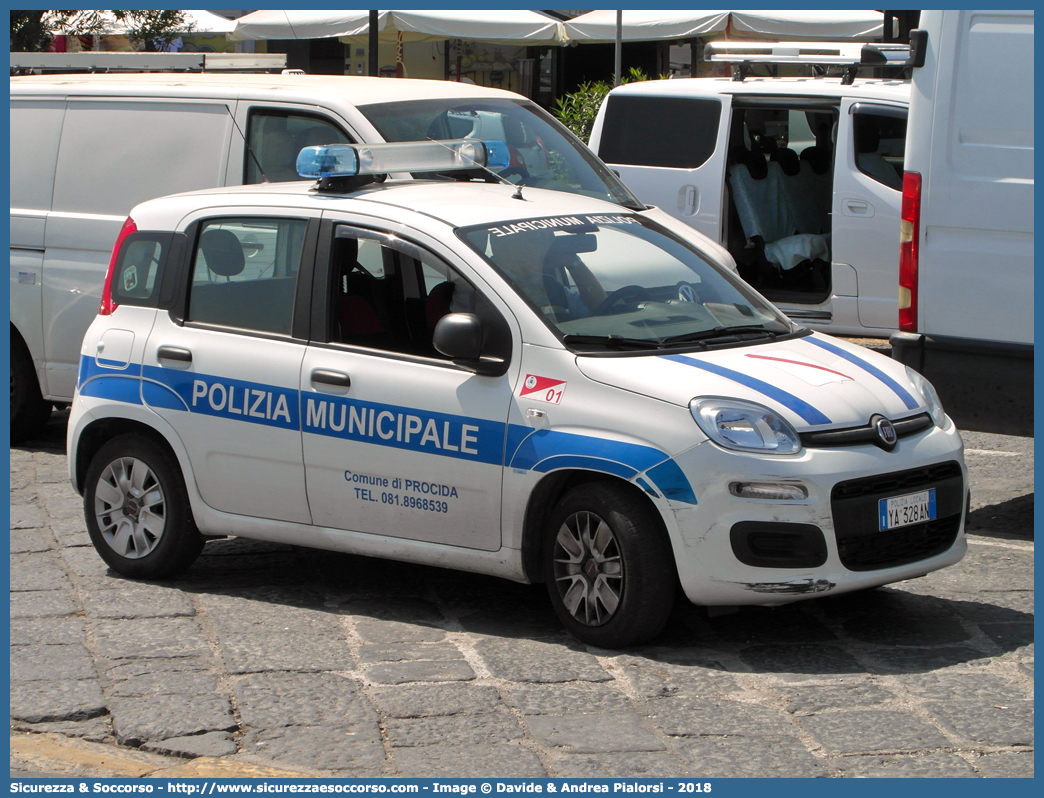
(931, 398)
(744, 426)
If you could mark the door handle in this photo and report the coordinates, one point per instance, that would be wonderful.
(174, 353)
(337, 379)
(853, 207)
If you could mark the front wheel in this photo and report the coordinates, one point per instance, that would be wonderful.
(137, 510)
(29, 410)
(608, 566)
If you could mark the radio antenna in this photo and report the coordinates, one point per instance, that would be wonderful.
(246, 144)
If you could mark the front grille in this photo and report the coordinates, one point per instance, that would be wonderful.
(863, 547)
(859, 436)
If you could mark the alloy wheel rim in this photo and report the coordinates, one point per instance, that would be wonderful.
(588, 568)
(130, 507)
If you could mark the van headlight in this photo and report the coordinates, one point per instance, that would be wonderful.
(744, 426)
(931, 398)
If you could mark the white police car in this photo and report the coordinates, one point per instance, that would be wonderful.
(524, 383)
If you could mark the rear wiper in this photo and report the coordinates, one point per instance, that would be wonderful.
(720, 332)
(615, 341)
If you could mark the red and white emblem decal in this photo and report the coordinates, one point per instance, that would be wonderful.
(542, 389)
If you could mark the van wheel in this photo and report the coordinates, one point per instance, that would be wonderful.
(29, 410)
(137, 510)
(608, 566)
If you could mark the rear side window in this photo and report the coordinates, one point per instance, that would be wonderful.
(880, 146)
(139, 269)
(659, 131)
(276, 137)
(244, 273)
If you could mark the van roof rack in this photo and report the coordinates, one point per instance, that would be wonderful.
(849, 55)
(51, 63)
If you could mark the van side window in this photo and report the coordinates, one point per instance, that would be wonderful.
(880, 144)
(660, 131)
(245, 273)
(276, 137)
(389, 294)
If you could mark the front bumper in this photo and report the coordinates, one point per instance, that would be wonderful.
(854, 555)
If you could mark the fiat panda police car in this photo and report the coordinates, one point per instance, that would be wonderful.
(517, 382)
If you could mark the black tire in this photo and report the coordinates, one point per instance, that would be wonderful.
(616, 587)
(29, 410)
(137, 509)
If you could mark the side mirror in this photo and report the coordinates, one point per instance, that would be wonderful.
(459, 337)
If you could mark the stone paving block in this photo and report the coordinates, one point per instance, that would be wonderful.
(655, 679)
(210, 744)
(801, 660)
(26, 516)
(686, 716)
(122, 670)
(405, 652)
(533, 661)
(947, 685)
(811, 699)
(29, 540)
(906, 631)
(502, 760)
(534, 619)
(56, 700)
(41, 604)
(64, 506)
(594, 734)
(927, 766)
(1006, 765)
(163, 683)
(872, 730)
(1009, 636)
(150, 637)
(51, 663)
(265, 651)
(40, 571)
(1026, 666)
(351, 752)
(47, 631)
(997, 722)
(568, 698)
(457, 670)
(918, 660)
(95, 730)
(991, 606)
(53, 469)
(70, 532)
(429, 700)
(240, 614)
(159, 717)
(621, 764)
(130, 600)
(267, 700)
(389, 632)
(86, 562)
(395, 609)
(786, 624)
(988, 565)
(453, 730)
(748, 757)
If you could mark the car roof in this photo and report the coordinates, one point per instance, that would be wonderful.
(458, 204)
(896, 90)
(345, 88)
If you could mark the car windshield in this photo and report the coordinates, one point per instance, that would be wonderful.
(543, 153)
(623, 282)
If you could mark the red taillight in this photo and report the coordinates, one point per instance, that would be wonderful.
(909, 235)
(108, 305)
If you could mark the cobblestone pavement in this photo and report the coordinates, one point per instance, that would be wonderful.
(266, 658)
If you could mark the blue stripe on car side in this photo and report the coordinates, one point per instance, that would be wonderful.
(788, 400)
(899, 390)
(672, 482)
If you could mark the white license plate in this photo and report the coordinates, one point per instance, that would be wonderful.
(913, 508)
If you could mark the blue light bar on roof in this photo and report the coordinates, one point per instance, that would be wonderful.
(348, 160)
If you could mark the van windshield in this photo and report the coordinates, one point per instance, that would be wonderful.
(543, 153)
(622, 282)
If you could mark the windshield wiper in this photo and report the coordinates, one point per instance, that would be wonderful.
(616, 341)
(707, 336)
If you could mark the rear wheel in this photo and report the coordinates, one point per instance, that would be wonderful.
(608, 566)
(137, 509)
(29, 410)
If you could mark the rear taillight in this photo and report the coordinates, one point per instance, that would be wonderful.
(909, 235)
(108, 305)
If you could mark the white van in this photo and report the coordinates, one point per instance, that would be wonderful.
(85, 149)
(800, 178)
(966, 268)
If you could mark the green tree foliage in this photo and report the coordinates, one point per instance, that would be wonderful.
(577, 111)
(32, 31)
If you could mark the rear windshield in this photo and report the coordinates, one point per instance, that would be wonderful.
(543, 153)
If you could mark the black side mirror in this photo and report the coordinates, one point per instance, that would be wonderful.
(458, 336)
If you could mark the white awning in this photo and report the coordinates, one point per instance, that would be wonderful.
(509, 27)
(600, 26)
